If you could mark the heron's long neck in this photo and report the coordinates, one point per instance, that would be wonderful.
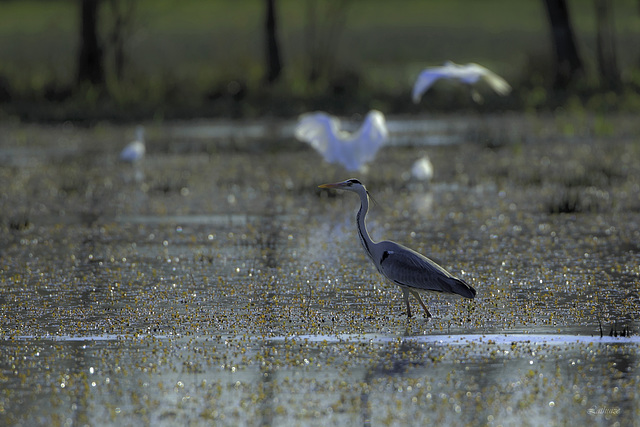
(366, 241)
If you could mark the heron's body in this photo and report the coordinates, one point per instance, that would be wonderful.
(410, 270)
(469, 74)
(353, 150)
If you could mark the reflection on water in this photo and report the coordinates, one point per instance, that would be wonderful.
(465, 340)
(402, 131)
(220, 220)
(226, 289)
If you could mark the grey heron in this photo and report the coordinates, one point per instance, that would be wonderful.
(353, 150)
(469, 74)
(134, 151)
(404, 267)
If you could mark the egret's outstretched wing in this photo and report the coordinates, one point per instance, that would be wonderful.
(375, 129)
(318, 130)
(367, 141)
(323, 133)
(496, 82)
(408, 268)
(425, 80)
(468, 73)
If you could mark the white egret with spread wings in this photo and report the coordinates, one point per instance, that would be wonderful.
(468, 73)
(352, 150)
(404, 267)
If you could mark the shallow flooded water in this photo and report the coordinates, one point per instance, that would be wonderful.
(214, 283)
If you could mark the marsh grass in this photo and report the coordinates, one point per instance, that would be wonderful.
(19, 222)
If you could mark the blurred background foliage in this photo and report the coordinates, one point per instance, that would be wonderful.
(161, 59)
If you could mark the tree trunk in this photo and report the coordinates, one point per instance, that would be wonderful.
(568, 63)
(325, 22)
(123, 14)
(606, 46)
(117, 40)
(311, 41)
(274, 66)
(90, 61)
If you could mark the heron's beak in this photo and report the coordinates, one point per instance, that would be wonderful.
(334, 185)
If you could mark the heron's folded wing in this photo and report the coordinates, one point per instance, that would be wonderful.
(408, 268)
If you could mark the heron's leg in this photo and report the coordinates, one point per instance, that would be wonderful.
(417, 296)
(405, 295)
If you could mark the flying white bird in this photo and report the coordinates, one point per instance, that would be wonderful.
(422, 169)
(469, 74)
(404, 267)
(352, 150)
(135, 150)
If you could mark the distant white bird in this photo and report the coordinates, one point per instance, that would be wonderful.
(422, 169)
(469, 74)
(352, 150)
(134, 151)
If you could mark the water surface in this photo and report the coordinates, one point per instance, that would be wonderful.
(215, 283)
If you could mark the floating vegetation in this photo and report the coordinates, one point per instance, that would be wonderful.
(226, 289)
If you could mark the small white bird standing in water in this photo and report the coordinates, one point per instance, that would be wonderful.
(469, 74)
(422, 169)
(351, 150)
(406, 268)
(134, 151)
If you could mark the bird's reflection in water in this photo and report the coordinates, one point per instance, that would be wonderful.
(422, 202)
(395, 360)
